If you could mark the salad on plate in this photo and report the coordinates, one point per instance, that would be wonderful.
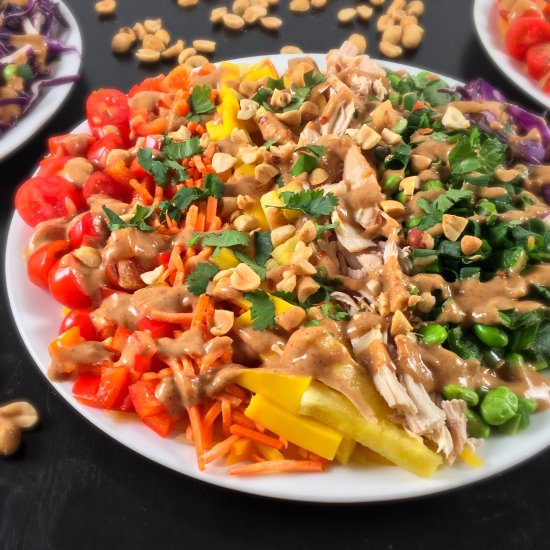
(294, 270)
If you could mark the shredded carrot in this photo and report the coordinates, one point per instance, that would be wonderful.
(201, 221)
(256, 436)
(275, 466)
(220, 450)
(226, 418)
(237, 391)
(201, 310)
(240, 418)
(211, 208)
(159, 195)
(170, 317)
(142, 190)
(231, 399)
(198, 433)
(192, 215)
(211, 414)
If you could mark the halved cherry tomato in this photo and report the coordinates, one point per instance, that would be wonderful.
(65, 288)
(42, 261)
(73, 145)
(98, 152)
(79, 318)
(100, 183)
(144, 399)
(113, 387)
(85, 389)
(44, 198)
(51, 165)
(538, 59)
(107, 107)
(82, 231)
(122, 131)
(158, 329)
(148, 85)
(525, 32)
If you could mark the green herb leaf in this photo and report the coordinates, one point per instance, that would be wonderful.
(276, 84)
(314, 203)
(213, 186)
(305, 163)
(321, 228)
(263, 247)
(262, 310)
(260, 270)
(199, 101)
(181, 149)
(139, 218)
(269, 143)
(317, 150)
(114, 220)
(198, 280)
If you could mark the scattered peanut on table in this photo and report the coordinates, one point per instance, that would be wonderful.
(15, 417)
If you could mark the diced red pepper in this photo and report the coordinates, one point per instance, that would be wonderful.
(158, 329)
(144, 398)
(85, 389)
(161, 423)
(113, 387)
(120, 339)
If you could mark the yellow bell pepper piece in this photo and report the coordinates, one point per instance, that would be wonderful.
(256, 210)
(272, 199)
(281, 306)
(245, 169)
(366, 457)
(69, 338)
(345, 451)
(269, 453)
(282, 389)
(231, 72)
(239, 451)
(226, 259)
(384, 437)
(470, 458)
(262, 69)
(282, 254)
(302, 431)
(215, 130)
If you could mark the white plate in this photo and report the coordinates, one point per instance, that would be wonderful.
(486, 21)
(37, 316)
(50, 99)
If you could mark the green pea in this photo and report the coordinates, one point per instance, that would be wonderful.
(412, 222)
(402, 198)
(9, 71)
(433, 184)
(476, 426)
(491, 335)
(434, 334)
(499, 405)
(455, 391)
(395, 98)
(528, 404)
(391, 184)
(394, 80)
(515, 360)
(482, 391)
(400, 126)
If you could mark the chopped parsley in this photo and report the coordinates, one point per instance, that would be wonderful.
(198, 280)
(199, 102)
(308, 161)
(436, 208)
(138, 219)
(225, 239)
(263, 247)
(314, 203)
(262, 310)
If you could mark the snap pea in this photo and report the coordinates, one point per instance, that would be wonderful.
(395, 98)
(476, 426)
(499, 405)
(394, 80)
(391, 184)
(400, 126)
(456, 391)
(402, 198)
(493, 359)
(433, 184)
(493, 336)
(433, 334)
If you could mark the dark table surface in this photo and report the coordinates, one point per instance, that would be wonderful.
(72, 487)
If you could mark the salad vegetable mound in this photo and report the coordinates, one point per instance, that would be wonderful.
(300, 269)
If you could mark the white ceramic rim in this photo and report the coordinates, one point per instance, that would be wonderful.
(34, 311)
(50, 99)
(486, 22)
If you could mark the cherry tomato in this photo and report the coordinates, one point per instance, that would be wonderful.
(148, 85)
(52, 165)
(65, 288)
(538, 59)
(122, 131)
(42, 261)
(100, 183)
(98, 152)
(44, 198)
(107, 107)
(82, 231)
(79, 318)
(525, 32)
(414, 238)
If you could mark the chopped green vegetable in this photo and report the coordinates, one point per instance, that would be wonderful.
(199, 102)
(198, 280)
(314, 203)
(262, 310)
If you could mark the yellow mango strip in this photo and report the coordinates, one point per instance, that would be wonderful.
(260, 70)
(269, 453)
(226, 259)
(302, 431)
(282, 389)
(345, 451)
(470, 458)
(256, 210)
(239, 451)
(367, 457)
(282, 254)
(245, 169)
(334, 409)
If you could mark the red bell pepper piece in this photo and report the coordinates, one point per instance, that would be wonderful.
(144, 398)
(85, 389)
(113, 387)
(161, 423)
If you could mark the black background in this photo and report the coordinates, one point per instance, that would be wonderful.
(72, 487)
